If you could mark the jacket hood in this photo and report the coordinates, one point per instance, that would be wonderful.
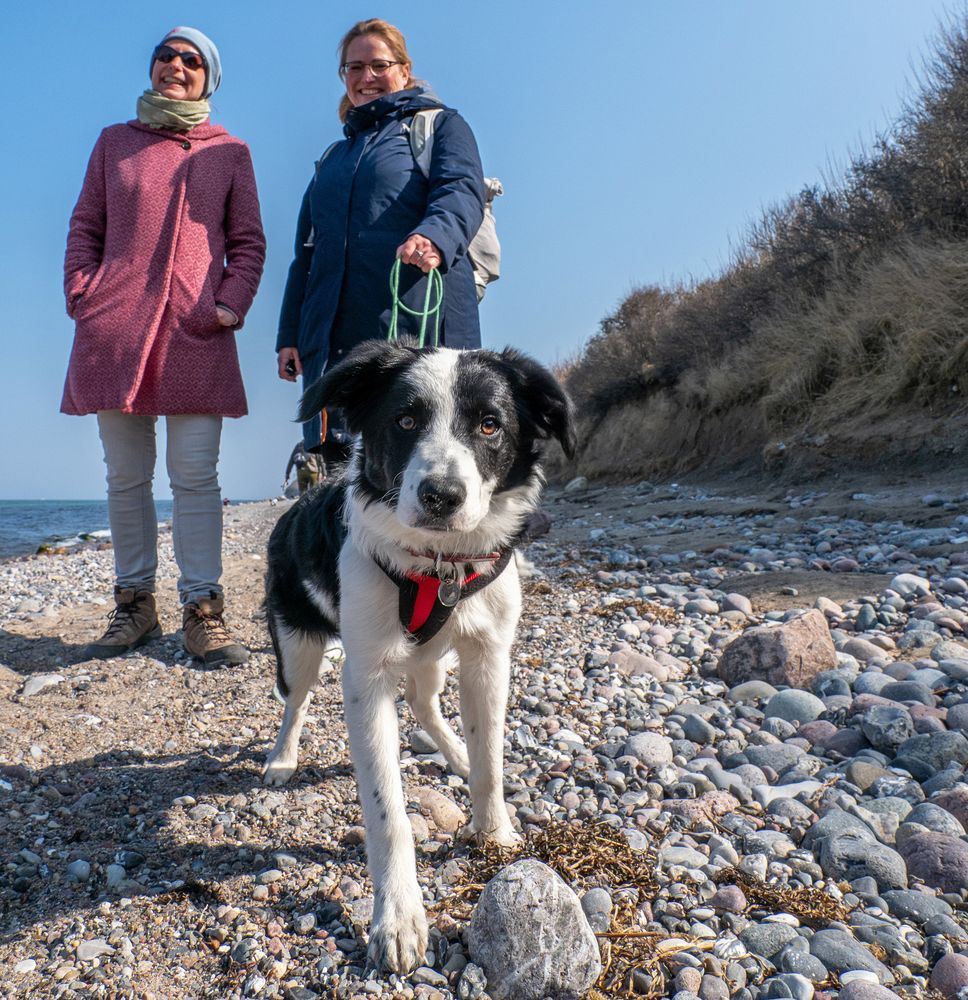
(399, 104)
(196, 134)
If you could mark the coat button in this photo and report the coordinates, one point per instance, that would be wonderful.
(186, 145)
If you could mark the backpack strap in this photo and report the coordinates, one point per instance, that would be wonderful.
(422, 126)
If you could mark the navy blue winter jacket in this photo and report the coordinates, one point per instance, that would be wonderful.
(367, 197)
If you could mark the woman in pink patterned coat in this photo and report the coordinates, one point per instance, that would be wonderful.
(164, 255)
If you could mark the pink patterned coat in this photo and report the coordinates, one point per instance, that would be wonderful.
(166, 225)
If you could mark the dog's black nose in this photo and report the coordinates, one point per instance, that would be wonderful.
(439, 496)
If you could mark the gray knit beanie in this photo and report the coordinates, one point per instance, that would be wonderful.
(205, 45)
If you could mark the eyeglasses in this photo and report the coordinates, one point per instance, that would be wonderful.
(190, 60)
(379, 67)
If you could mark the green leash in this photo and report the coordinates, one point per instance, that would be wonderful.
(435, 284)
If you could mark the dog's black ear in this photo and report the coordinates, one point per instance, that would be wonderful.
(541, 399)
(356, 381)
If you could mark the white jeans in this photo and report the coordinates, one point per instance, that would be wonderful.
(129, 454)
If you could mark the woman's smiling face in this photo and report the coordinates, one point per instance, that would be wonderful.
(174, 79)
(363, 85)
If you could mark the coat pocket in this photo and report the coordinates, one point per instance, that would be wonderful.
(83, 301)
(204, 317)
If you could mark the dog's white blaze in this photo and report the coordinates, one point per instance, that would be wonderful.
(439, 453)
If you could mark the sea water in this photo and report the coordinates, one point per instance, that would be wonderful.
(27, 524)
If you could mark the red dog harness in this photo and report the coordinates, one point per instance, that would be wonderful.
(428, 601)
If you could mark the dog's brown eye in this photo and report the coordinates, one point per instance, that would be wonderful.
(406, 422)
(490, 426)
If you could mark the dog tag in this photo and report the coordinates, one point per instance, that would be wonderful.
(448, 593)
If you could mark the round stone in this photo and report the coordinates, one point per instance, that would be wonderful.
(651, 749)
(933, 817)
(79, 871)
(937, 859)
(886, 727)
(792, 705)
(729, 898)
(529, 935)
(597, 906)
(767, 939)
(840, 952)
(909, 691)
(861, 989)
(950, 974)
(848, 856)
(915, 906)
(910, 585)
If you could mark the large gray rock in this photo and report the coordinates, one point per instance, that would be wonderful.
(768, 939)
(919, 907)
(834, 823)
(932, 816)
(651, 749)
(909, 585)
(529, 935)
(849, 856)
(863, 650)
(887, 727)
(928, 753)
(860, 990)
(909, 690)
(791, 654)
(793, 705)
(840, 952)
(779, 756)
(956, 668)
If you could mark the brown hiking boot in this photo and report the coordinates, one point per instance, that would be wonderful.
(206, 637)
(132, 623)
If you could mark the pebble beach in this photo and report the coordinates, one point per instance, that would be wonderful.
(756, 693)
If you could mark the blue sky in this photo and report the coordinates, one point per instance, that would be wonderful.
(636, 140)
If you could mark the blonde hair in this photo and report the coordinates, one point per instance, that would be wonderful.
(395, 42)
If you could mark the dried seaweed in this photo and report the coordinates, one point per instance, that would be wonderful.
(635, 961)
(589, 855)
(646, 609)
(584, 856)
(812, 906)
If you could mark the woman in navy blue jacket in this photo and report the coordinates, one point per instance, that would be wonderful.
(368, 203)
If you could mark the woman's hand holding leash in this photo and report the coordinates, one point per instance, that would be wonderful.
(420, 252)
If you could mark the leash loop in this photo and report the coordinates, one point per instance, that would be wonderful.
(435, 288)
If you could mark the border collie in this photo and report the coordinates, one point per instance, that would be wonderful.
(409, 560)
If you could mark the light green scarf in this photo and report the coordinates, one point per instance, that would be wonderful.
(157, 111)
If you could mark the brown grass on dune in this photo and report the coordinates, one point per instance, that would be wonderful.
(897, 335)
(842, 302)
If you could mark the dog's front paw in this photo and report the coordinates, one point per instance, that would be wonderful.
(278, 771)
(398, 937)
(502, 836)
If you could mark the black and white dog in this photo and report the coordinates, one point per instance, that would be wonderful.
(409, 559)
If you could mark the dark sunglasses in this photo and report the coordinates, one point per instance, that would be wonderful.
(190, 60)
